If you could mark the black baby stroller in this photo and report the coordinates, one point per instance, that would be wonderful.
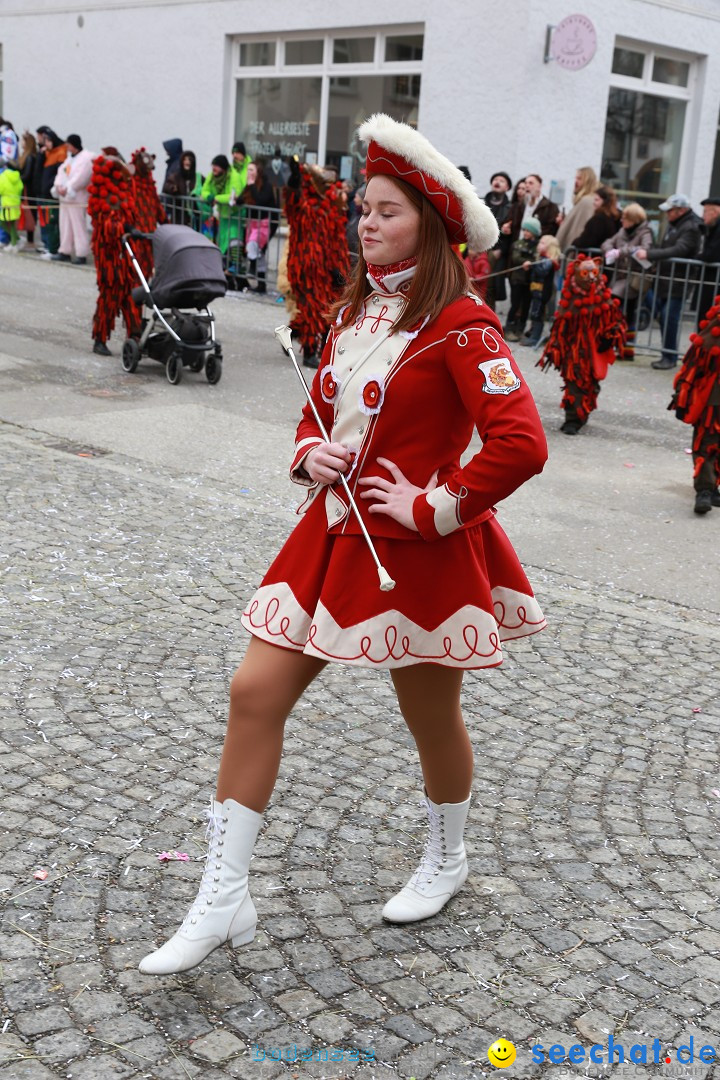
(188, 274)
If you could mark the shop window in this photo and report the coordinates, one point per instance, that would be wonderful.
(354, 50)
(304, 52)
(316, 116)
(257, 54)
(672, 72)
(352, 100)
(628, 62)
(404, 47)
(648, 103)
(643, 134)
(279, 112)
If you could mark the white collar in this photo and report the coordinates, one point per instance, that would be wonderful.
(393, 283)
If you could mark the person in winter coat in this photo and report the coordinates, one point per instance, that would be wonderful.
(665, 298)
(26, 164)
(498, 203)
(184, 184)
(218, 192)
(174, 150)
(477, 264)
(240, 163)
(602, 225)
(412, 367)
(52, 151)
(70, 189)
(522, 255)
(710, 253)
(260, 226)
(11, 188)
(619, 251)
(582, 209)
(9, 149)
(542, 282)
(534, 204)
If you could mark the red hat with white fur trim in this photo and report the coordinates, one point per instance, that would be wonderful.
(396, 149)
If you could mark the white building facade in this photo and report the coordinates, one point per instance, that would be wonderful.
(630, 87)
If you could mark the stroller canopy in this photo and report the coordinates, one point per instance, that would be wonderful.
(188, 268)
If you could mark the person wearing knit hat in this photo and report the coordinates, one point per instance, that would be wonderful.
(520, 260)
(219, 194)
(413, 364)
(71, 190)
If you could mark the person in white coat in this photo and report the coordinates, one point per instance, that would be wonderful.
(70, 189)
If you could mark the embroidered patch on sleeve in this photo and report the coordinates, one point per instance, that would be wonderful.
(499, 376)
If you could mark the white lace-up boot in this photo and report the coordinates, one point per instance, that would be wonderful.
(442, 870)
(222, 910)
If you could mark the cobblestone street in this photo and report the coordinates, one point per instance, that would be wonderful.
(137, 519)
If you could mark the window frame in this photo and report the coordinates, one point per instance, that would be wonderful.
(647, 86)
(327, 69)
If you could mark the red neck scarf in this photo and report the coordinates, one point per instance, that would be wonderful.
(379, 273)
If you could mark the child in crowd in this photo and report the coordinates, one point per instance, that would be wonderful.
(478, 268)
(542, 279)
(522, 256)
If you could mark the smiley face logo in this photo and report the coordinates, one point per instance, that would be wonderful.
(501, 1054)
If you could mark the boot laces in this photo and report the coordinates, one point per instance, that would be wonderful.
(214, 834)
(433, 856)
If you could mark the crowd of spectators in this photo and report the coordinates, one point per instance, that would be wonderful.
(43, 200)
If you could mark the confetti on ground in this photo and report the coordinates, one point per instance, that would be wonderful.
(40, 875)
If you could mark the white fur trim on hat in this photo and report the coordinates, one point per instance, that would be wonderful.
(480, 225)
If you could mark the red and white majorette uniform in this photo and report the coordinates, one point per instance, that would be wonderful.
(414, 398)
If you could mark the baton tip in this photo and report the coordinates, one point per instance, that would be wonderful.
(386, 582)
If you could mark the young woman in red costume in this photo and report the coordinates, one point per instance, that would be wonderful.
(414, 362)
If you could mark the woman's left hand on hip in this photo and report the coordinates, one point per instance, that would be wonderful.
(394, 497)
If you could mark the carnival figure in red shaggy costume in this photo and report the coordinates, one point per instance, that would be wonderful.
(149, 211)
(414, 364)
(696, 401)
(318, 260)
(111, 206)
(587, 335)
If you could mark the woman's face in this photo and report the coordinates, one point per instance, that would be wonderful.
(186, 163)
(389, 227)
(521, 189)
(251, 173)
(597, 201)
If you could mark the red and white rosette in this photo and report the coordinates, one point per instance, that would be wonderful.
(371, 396)
(329, 384)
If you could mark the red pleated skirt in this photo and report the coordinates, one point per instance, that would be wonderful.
(455, 601)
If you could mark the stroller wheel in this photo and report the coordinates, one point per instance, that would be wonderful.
(130, 355)
(174, 368)
(213, 368)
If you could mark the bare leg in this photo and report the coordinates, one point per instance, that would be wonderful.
(263, 691)
(429, 699)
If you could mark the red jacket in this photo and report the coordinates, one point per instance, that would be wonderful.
(415, 398)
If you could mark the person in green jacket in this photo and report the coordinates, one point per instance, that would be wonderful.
(11, 189)
(240, 162)
(219, 191)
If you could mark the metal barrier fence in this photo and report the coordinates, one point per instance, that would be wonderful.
(662, 301)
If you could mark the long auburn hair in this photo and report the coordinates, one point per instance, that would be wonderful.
(440, 276)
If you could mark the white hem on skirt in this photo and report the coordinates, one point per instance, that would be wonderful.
(470, 638)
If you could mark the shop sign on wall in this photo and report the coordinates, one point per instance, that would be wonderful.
(290, 135)
(573, 42)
